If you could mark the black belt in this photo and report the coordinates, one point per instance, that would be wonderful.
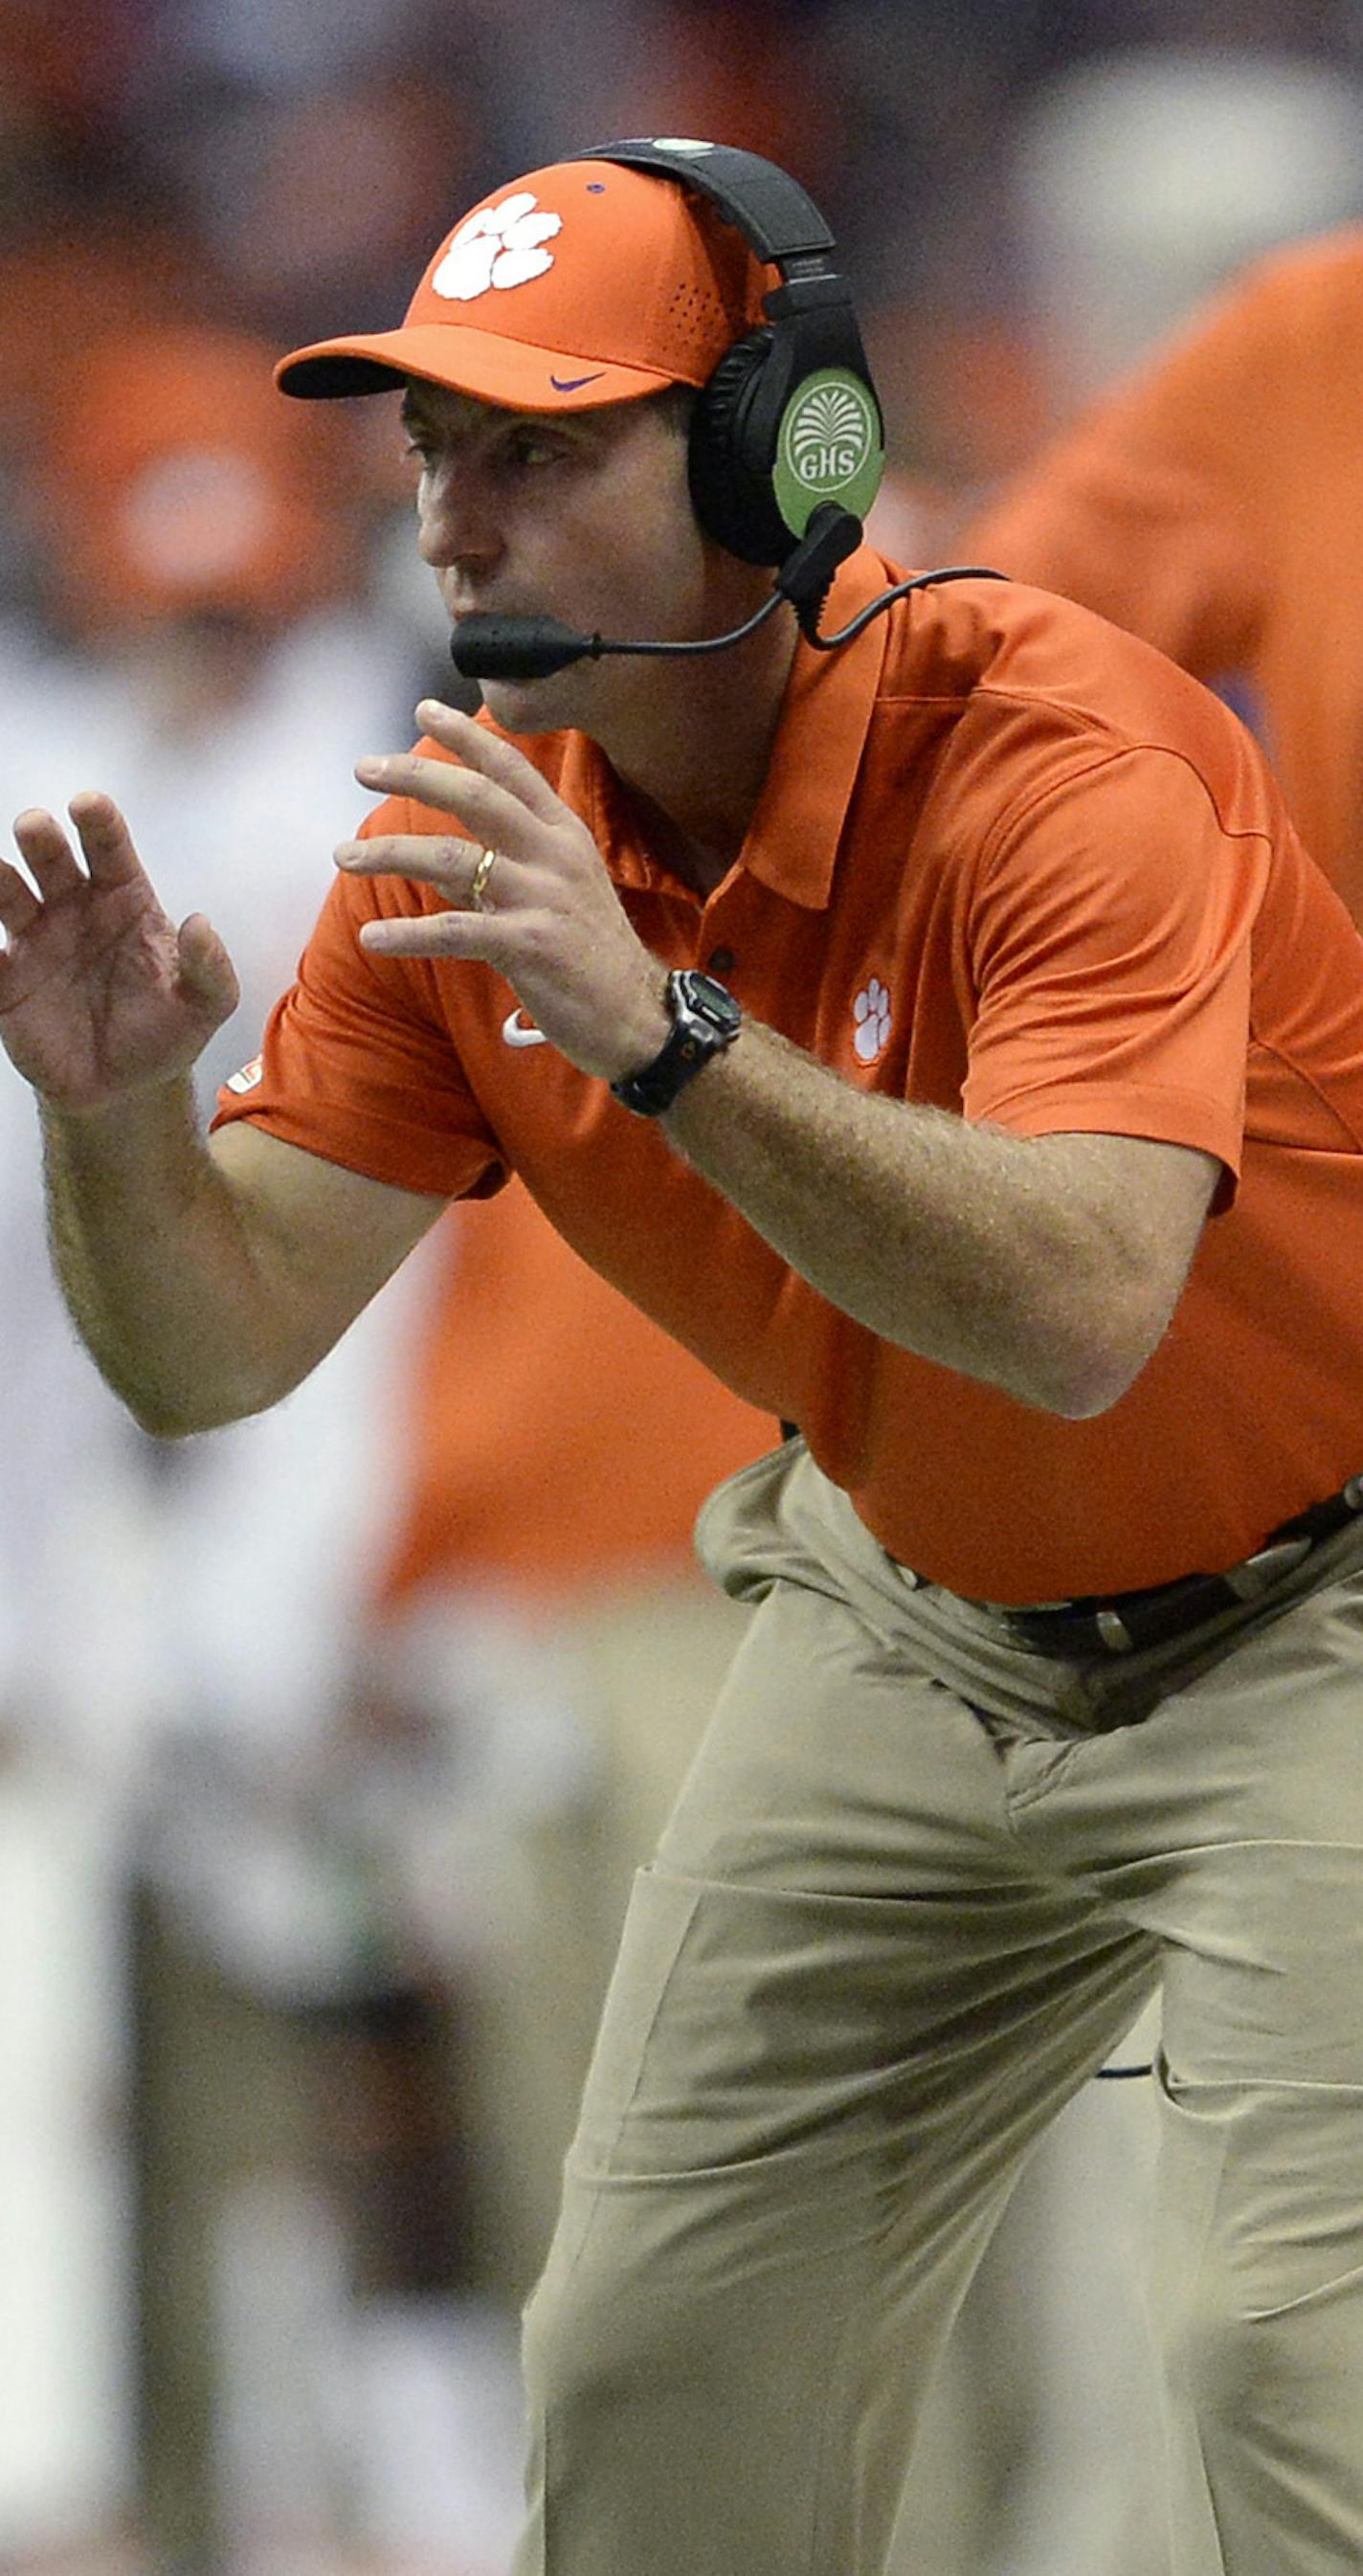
(1127, 1622)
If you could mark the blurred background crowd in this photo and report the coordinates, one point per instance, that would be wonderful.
(327, 1743)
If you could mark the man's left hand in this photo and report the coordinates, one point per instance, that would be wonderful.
(546, 915)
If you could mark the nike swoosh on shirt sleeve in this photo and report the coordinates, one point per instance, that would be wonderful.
(517, 1032)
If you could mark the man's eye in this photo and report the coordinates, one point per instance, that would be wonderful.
(531, 447)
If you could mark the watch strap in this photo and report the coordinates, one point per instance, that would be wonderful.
(705, 1020)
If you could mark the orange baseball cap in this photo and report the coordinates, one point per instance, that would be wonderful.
(581, 284)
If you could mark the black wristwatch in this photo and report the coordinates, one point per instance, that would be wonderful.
(705, 1020)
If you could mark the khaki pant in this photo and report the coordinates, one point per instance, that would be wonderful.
(917, 1882)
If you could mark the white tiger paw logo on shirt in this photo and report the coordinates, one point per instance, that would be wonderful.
(499, 246)
(871, 1011)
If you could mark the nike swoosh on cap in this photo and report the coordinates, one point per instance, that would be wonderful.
(517, 1032)
(574, 384)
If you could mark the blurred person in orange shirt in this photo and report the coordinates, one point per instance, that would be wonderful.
(203, 616)
(1189, 223)
(1212, 503)
(93, 244)
(1192, 500)
(201, 624)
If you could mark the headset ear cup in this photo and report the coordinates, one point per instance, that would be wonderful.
(731, 484)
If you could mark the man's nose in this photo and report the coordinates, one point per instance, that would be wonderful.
(455, 520)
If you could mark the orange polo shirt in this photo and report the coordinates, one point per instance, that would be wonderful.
(1011, 863)
(1214, 504)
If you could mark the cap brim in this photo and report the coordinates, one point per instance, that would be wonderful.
(468, 362)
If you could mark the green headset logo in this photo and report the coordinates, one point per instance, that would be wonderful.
(828, 448)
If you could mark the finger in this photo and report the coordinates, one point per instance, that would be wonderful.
(205, 965)
(48, 854)
(425, 934)
(104, 837)
(491, 757)
(447, 866)
(42, 843)
(19, 904)
(492, 812)
(461, 873)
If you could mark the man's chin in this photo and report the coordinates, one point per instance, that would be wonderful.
(532, 706)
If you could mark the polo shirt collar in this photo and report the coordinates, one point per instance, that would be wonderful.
(792, 841)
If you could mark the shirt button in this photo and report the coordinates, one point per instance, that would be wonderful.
(720, 961)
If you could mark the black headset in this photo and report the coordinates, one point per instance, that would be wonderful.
(790, 418)
(787, 437)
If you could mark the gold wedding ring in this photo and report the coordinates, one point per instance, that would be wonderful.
(478, 881)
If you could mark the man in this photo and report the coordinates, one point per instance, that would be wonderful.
(1211, 502)
(1006, 1182)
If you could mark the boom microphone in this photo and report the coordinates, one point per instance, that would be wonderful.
(530, 648)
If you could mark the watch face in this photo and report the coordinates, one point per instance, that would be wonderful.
(710, 1001)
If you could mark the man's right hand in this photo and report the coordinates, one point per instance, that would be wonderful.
(100, 994)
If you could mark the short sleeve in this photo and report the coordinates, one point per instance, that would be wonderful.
(359, 1062)
(1110, 949)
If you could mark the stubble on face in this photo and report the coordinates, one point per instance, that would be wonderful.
(605, 541)
(598, 530)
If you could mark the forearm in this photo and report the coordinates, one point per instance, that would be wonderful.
(959, 1243)
(157, 1264)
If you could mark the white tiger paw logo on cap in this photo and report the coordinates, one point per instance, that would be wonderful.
(499, 246)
